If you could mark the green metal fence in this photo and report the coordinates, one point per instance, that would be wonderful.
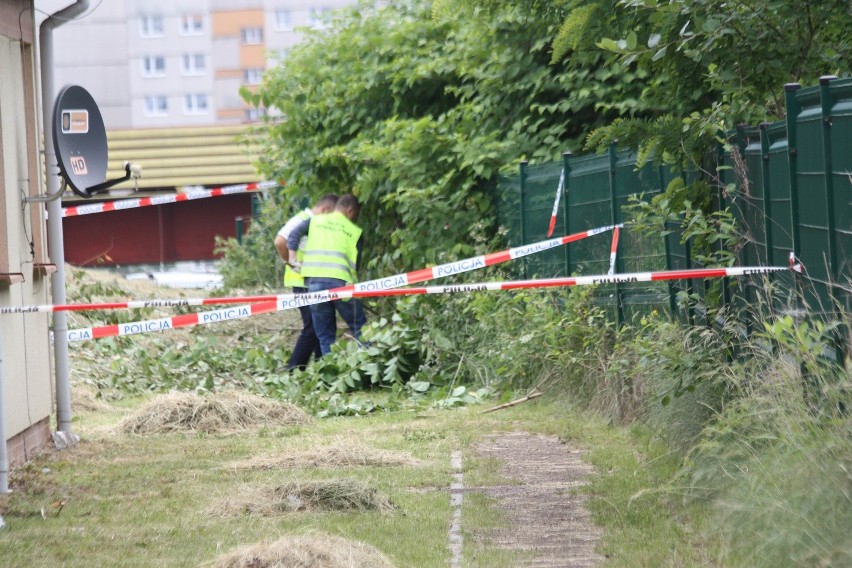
(792, 191)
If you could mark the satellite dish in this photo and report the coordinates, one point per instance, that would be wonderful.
(80, 142)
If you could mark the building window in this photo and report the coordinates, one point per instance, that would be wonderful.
(195, 104)
(252, 76)
(153, 66)
(192, 24)
(151, 26)
(156, 105)
(251, 36)
(254, 114)
(319, 18)
(194, 64)
(283, 20)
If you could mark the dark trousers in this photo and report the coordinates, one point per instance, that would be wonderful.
(325, 320)
(307, 343)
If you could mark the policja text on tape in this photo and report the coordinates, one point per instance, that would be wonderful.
(404, 279)
(291, 301)
(340, 293)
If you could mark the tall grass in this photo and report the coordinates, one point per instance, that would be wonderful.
(777, 466)
(764, 437)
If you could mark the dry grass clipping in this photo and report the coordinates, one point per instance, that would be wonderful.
(320, 495)
(313, 551)
(85, 398)
(222, 413)
(341, 454)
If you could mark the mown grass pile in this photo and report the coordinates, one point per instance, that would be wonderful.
(350, 453)
(291, 496)
(308, 551)
(215, 413)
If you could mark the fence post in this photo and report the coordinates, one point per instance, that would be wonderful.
(767, 204)
(826, 102)
(720, 197)
(566, 176)
(690, 311)
(523, 188)
(613, 161)
(669, 266)
(793, 110)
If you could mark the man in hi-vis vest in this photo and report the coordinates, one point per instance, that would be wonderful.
(307, 343)
(330, 260)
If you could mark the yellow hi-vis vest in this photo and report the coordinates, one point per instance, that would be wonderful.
(332, 247)
(293, 279)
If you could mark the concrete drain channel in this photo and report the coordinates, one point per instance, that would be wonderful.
(456, 493)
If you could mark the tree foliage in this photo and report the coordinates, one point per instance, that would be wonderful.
(722, 62)
(705, 64)
(415, 113)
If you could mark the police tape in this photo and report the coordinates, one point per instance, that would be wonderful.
(613, 251)
(163, 199)
(559, 187)
(163, 324)
(293, 301)
(395, 281)
(473, 263)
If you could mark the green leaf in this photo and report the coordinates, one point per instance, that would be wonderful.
(608, 44)
(419, 386)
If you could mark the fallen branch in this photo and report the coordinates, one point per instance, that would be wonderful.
(532, 395)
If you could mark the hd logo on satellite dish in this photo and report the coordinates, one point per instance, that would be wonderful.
(78, 165)
(75, 121)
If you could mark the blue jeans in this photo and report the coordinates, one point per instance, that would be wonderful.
(307, 343)
(323, 315)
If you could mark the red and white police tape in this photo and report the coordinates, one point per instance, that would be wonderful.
(163, 199)
(559, 187)
(395, 281)
(613, 251)
(296, 300)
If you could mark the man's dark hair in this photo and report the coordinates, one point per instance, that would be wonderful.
(348, 201)
(328, 199)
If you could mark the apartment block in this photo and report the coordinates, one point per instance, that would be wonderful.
(161, 63)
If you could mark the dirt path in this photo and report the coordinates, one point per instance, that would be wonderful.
(546, 516)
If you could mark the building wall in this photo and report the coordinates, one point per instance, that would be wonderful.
(105, 52)
(161, 234)
(24, 339)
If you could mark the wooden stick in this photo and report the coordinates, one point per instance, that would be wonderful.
(532, 395)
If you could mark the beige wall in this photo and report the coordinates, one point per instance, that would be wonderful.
(24, 340)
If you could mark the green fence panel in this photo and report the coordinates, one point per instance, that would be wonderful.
(748, 203)
(788, 185)
(812, 211)
(778, 225)
(638, 252)
(778, 222)
(841, 160)
(589, 207)
(540, 192)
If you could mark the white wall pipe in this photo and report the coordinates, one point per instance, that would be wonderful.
(4, 456)
(55, 244)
